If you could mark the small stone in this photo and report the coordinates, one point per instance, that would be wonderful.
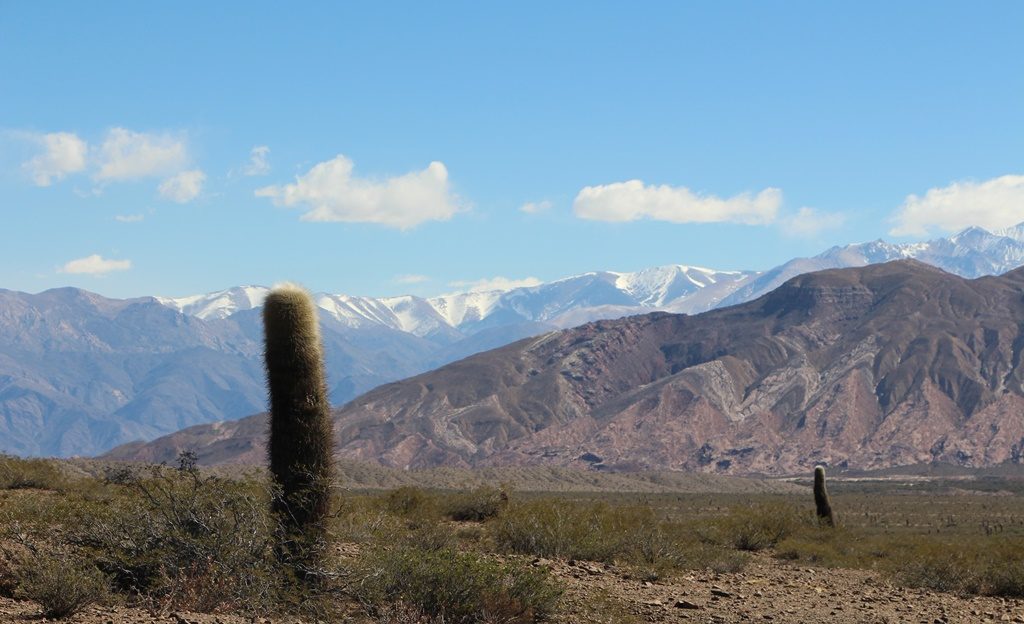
(686, 604)
(721, 593)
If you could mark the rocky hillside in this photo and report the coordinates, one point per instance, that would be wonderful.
(80, 373)
(890, 364)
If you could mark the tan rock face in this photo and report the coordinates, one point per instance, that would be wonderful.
(871, 367)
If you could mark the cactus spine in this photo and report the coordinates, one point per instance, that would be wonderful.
(822, 504)
(300, 427)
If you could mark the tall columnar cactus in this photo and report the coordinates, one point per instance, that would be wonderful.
(300, 426)
(822, 504)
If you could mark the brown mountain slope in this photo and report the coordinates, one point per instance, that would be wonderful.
(889, 364)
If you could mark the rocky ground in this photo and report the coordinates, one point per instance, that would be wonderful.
(772, 591)
(766, 591)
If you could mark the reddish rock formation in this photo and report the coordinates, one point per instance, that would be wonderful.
(891, 364)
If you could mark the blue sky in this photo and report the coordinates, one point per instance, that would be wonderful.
(386, 148)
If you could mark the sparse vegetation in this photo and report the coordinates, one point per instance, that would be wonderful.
(63, 585)
(38, 474)
(632, 535)
(181, 538)
(477, 505)
(754, 527)
(453, 586)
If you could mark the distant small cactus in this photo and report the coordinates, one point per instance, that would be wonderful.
(822, 504)
(300, 442)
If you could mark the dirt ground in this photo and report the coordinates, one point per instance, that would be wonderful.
(772, 591)
(768, 590)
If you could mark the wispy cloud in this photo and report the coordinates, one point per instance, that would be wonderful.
(121, 156)
(809, 222)
(632, 200)
(411, 279)
(183, 187)
(494, 283)
(330, 192)
(95, 265)
(129, 218)
(991, 204)
(535, 207)
(63, 153)
(259, 163)
(125, 155)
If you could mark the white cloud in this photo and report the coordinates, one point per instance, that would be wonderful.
(130, 218)
(64, 153)
(330, 192)
(411, 279)
(95, 265)
(632, 200)
(183, 187)
(494, 283)
(811, 222)
(126, 154)
(535, 207)
(258, 163)
(992, 204)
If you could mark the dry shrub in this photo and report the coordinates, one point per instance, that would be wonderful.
(754, 528)
(62, 584)
(179, 539)
(40, 474)
(634, 535)
(993, 567)
(452, 587)
(477, 505)
(409, 501)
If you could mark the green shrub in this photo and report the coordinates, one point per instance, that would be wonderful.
(755, 527)
(409, 501)
(427, 536)
(478, 505)
(967, 566)
(943, 569)
(454, 587)
(40, 474)
(180, 539)
(599, 532)
(61, 585)
(546, 528)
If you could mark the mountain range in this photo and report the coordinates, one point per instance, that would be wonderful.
(873, 367)
(80, 373)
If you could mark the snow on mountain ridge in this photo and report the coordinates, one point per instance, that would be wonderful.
(662, 285)
(598, 294)
(220, 304)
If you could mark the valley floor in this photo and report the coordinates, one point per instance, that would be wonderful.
(768, 590)
(148, 544)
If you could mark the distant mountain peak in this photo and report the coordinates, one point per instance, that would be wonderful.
(79, 371)
(896, 363)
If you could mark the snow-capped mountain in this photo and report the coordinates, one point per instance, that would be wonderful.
(590, 295)
(220, 304)
(971, 253)
(80, 373)
(609, 294)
